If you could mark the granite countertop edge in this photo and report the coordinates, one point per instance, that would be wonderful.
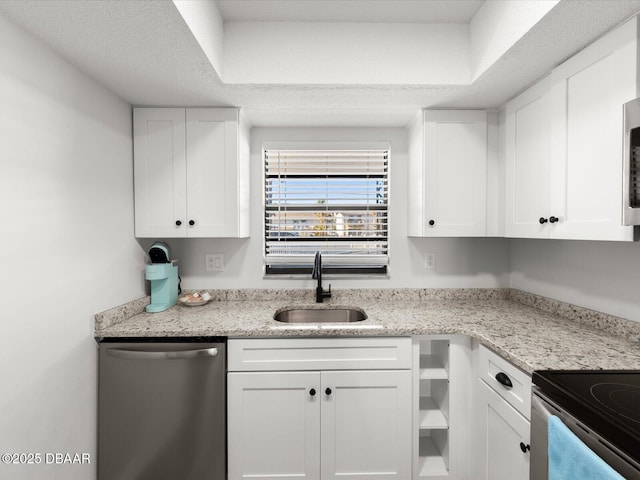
(530, 331)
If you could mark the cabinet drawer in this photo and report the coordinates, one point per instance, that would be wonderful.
(319, 354)
(491, 365)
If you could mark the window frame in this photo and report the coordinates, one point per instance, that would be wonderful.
(362, 270)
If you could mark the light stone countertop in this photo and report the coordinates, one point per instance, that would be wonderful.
(532, 332)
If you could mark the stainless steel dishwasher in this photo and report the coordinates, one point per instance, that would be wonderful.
(162, 409)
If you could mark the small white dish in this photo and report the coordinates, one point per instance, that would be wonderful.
(190, 300)
(187, 303)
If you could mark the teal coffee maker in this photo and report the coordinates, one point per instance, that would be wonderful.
(163, 275)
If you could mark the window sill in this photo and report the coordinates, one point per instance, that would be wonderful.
(346, 276)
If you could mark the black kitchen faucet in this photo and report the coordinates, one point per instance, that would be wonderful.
(317, 274)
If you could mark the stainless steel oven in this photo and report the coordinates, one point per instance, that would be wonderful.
(602, 408)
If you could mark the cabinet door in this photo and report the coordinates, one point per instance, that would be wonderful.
(528, 163)
(587, 96)
(455, 149)
(212, 172)
(274, 425)
(501, 430)
(159, 172)
(366, 425)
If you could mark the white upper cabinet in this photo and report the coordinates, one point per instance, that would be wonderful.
(528, 162)
(448, 174)
(190, 173)
(563, 165)
(160, 172)
(587, 95)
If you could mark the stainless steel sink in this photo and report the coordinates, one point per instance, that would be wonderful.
(320, 315)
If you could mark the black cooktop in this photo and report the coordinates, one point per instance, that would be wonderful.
(606, 401)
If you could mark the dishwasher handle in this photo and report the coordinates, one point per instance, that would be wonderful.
(172, 355)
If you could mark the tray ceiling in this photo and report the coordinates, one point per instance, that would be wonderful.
(318, 62)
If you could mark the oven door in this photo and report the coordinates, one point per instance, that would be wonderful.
(541, 409)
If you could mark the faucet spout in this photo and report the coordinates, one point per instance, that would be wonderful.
(316, 274)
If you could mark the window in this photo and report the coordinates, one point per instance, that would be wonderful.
(331, 201)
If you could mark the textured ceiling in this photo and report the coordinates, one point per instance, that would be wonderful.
(144, 52)
(379, 11)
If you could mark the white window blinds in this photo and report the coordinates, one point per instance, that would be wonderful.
(332, 201)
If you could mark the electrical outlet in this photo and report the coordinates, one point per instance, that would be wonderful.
(429, 260)
(214, 262)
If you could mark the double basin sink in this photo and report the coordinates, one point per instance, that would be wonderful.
(320, 315)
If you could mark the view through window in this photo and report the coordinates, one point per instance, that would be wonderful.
(329, 201)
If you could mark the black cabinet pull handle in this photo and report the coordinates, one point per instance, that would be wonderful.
(543, 220)
(312, 392)
(432, 222)
(504, 379)
(328, 391)
(524, 447)
(553, 219)
(178, 223)
(192, 222)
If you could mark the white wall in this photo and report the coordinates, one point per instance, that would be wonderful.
(603, 276)
(66, 236)
(459, 262)
(305, 53)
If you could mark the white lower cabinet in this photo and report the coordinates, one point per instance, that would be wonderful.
(274, 425)
(365, 428)
(319, 424)
(431, 407)
(504, 437)
(502, 428)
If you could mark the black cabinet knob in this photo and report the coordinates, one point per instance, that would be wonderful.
(328, 391)
(178, 223)
(543, 220)
(553, 219)
(312, 392)
(504, 379)
(192, 222)
(524, 447)
(432, 222)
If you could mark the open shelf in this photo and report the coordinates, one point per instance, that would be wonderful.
(432, 368)
(430, 462)
(431, 416)
(432, 409)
